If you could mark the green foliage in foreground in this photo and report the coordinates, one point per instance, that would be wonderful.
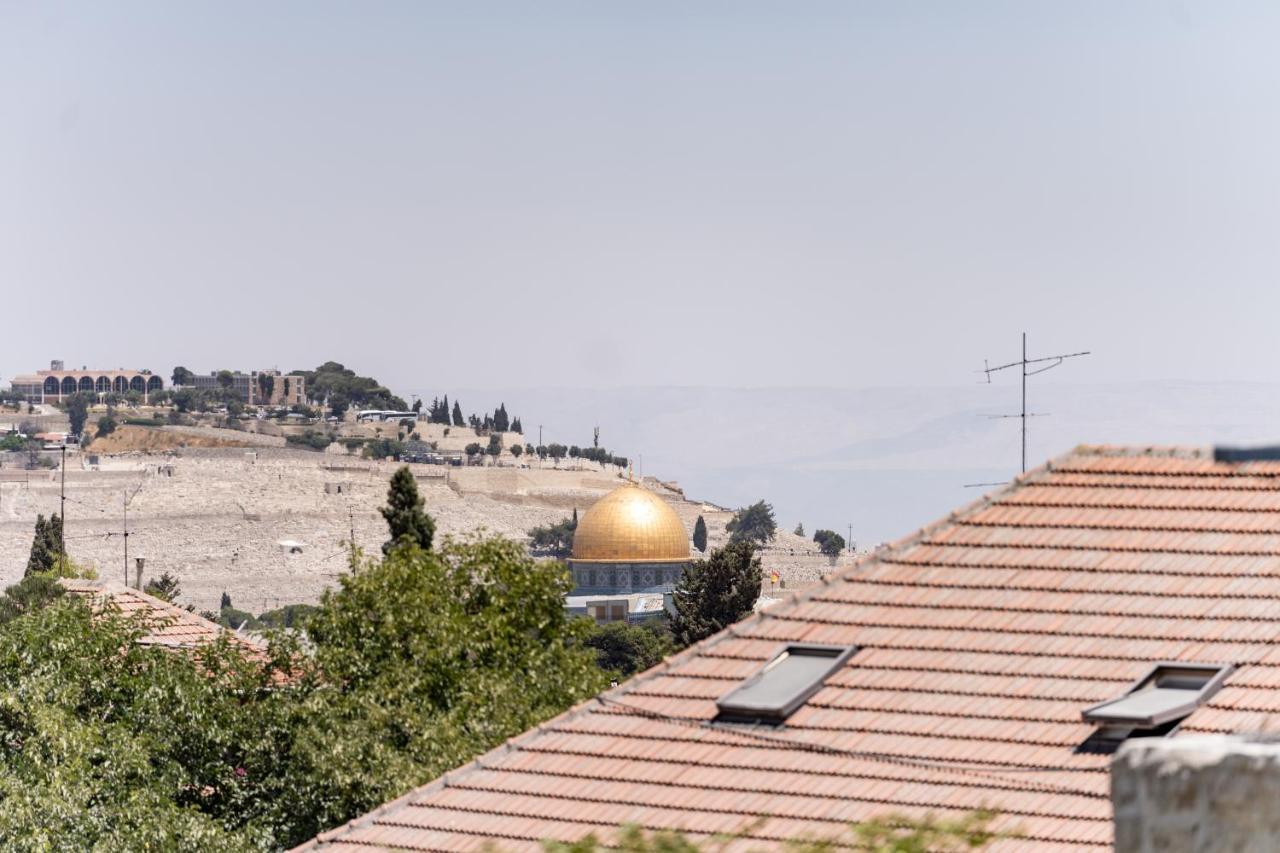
(889, 834)
(419, 662)
(622, 650)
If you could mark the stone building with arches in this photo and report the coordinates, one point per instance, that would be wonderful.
(57, 383)
(629, 541)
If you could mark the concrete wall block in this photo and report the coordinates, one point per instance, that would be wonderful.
(1197, 794)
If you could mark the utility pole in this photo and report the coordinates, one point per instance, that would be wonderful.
(125, 503)
(62, 511)
(850, 540)
(1022, 363)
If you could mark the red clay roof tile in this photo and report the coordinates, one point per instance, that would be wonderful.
(980, 640)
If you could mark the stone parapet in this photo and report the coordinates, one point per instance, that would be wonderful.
(1212, 794)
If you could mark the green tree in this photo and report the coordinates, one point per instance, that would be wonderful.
(754, 523)
(622, 650)
(226, 379)
(458, 420)
(700, 535)
(182, 376)
(716, 592)
(166, 587)
(557, 452)
(77, 406)
(473, 449)
(433, 657)
(404, 515)
(555, 539)
(516, 450)
(501, 422)
(106, 426)
(495, 445)
(266, 386)
(46, 545)
(829, 542)
(516, 426)
(799, 531)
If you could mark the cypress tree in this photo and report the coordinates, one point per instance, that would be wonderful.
(458, 420)
(46, 545)
(516, 426)
(404, 515)
(442, 417)
(500, 421)
(716, 592)
(700, 535)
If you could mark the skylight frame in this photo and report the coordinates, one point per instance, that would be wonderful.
(736, 706)
(1196, 698)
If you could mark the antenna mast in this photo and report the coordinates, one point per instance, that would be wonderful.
(1023, 362)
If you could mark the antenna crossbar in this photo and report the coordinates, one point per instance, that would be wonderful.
(1023, 362)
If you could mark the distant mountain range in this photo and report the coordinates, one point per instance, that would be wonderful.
(885, 460)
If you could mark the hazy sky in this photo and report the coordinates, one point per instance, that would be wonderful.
(646, 193)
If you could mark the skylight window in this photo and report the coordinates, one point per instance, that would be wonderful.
(1158, 701)
(784, 684)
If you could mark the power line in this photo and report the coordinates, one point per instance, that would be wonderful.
(959, 765)
(1023, 363)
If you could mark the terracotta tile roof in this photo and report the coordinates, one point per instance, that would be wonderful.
(167, 624)
(981, 638)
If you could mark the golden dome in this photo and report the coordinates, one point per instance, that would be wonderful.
(630, 525)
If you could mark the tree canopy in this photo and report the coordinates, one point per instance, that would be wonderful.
(404, 514)
(332, 379)
(829, 542)
(754, 523)
(716, 592)
(700, 535)
(46, 545)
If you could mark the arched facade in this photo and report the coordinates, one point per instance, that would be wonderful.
(56, 385)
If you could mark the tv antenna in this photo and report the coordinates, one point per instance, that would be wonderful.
(1024, 362)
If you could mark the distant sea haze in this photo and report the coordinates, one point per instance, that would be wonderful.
(884, 460)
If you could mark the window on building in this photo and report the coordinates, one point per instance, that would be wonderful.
(1155, 704)
(782, 685)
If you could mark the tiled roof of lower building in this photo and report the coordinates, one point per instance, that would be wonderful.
(980, 640)
(167, 625)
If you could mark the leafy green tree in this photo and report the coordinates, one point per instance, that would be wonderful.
(501, 423)
(754, 523)
(166, 587)
(495, 445)
(225, 601)
(429, 659)
(516, 426)
(516, 450)
(458, 420)
(716, 592)
(226, 379)
(46, 545)
(799, 531)
(555, 539)
(700, 535)
(182, 376)
(473, 449)
(106, 426)
(77, 406)
(266, 386)
(829, 542)
(405, 519)
(622, 650)
(557, 451)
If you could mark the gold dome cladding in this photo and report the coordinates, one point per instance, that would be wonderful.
(630, 525)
